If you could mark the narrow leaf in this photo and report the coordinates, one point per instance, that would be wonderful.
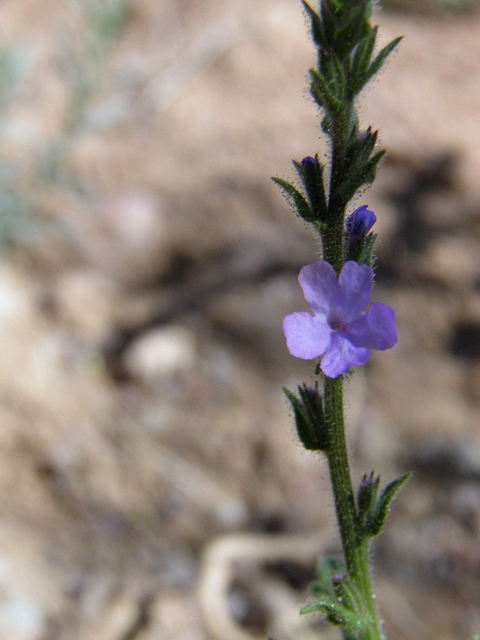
(324, 95)
(351, 596)
(299, 201)
(361, 61)
(359, 177)
(318, 33)
(327, 568)
(381, 57)
(381, 510)
(335, 612)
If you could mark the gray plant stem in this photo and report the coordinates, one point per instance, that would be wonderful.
(355, 547)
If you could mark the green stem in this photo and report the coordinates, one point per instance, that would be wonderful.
(332, 239)
(355, 549)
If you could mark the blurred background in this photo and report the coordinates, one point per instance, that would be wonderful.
(151, 484)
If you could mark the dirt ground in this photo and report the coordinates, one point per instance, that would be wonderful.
(151, 486)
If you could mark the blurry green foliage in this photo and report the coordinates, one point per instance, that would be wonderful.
(106, 20)
(83, 70)
(14, 64)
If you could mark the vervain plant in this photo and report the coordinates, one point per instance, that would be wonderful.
(341, 332)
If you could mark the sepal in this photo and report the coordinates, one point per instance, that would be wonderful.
(372, 511)
(366, 498)
(311, 174)
(309, 418)
(362, 250)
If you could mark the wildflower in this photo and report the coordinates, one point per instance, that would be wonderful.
(340, 330)
(360, 222)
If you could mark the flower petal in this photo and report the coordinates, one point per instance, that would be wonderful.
(354, 286)
(381, 325)
(360, 222)
(375, 329)
(319, 285)
(341, 355)
(307, 337)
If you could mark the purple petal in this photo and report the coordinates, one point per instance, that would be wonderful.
(341, 355)
(319, 285)
(307, 337)
(354, 286)
(360, 222)
(374, 330)
(381, 324)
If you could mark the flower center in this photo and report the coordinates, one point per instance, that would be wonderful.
(337, 325)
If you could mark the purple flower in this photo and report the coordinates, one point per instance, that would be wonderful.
(340, 329)
(360, 222)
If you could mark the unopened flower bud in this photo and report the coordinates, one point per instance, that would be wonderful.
(309, 163)
(359, 223)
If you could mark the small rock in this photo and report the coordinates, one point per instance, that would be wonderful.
(130, 237)
(20, 619)
(160, 353)
(87, 301)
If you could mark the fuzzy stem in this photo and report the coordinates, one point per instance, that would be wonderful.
(355, 549)
(332, 240)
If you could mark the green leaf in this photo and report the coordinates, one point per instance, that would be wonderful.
(337, 613)
(355, 26)
(298, 200)
(309, 421)
(340, 78)
(360, 149)
(324, 94)
(318, 34)
(350, 596)
(361, 61)
(358, 177)
(381, 57)
(383, 503)
(327, 568)
(327, 125)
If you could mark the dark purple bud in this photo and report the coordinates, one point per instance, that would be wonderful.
(309, 163)
(360, 222)
(367, 481)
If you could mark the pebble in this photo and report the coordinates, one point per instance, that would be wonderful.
(160, 353)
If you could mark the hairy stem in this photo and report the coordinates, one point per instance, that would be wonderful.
(355, 549)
